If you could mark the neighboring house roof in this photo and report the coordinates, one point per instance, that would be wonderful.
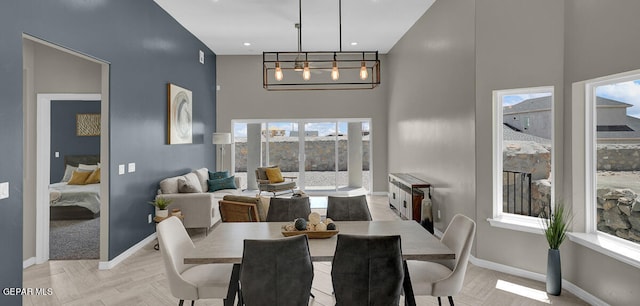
(529, 105)
(544, 103)
(600, 101)
(510, 134)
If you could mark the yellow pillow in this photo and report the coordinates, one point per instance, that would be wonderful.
(274, 175)
(79, 177)
(94, 177)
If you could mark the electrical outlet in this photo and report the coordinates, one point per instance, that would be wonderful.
(57, 154)
(439, 214)
(149, 217)
(121, 169)
(132, 167)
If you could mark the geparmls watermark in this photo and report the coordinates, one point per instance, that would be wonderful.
(27, 291)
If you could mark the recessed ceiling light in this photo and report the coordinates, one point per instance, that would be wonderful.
(247, 44)
(355, 43)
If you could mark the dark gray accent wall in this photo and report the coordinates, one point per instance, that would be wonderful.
(64, 138)
(146, 49)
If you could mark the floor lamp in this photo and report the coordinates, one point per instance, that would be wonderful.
(221, 139)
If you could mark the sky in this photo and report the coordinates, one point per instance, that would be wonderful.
(627, 92)
(515, 99)
(324, 129)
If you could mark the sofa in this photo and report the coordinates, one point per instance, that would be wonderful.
(190, 193)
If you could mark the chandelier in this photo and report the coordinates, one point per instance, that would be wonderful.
(320, 70)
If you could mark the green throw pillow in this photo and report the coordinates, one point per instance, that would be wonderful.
(218, 175)
(222, 183)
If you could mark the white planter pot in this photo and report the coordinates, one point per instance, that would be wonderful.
(163, 213)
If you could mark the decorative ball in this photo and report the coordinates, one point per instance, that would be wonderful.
(321, 227)
(300, 224)
(331, 226)
(289, 227)
(327, 221)
(314, 218)
(311, 227)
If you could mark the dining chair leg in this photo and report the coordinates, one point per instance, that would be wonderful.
(451, 300)
(234, 288)
(439, 302)
(193, 302)
(409, 298)
(181, 303)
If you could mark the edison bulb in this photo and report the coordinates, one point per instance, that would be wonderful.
(306, 73)
(278, 73)
(335, 74)
(364, 74)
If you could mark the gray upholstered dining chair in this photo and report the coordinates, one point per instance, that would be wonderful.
(367, 270)
(276, 272)
(189, 282)
(445, 279)
(348, 208)
(288, 209)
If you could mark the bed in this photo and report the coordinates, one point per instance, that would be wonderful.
(69, 202)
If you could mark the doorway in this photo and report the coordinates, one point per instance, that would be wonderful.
(61, 75)
(327, 156)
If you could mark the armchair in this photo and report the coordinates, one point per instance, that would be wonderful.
(264, 184)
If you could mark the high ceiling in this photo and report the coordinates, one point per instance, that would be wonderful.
(226, 26)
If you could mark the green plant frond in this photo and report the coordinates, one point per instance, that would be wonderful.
(556, 225)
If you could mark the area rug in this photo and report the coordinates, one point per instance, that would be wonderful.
(74, 239)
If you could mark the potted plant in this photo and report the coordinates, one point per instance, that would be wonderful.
(161, 205)
(555, 229)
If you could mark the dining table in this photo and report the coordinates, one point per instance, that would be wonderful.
(226, 242)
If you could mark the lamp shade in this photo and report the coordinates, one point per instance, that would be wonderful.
(221, 138)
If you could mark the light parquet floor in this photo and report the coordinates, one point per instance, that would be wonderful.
(140, 280)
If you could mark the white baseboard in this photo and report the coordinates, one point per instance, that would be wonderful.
(575, 290)
(29, 262)
(106, 265)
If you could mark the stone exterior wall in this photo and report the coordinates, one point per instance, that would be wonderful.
(619, 213)
(618, 157)
(320, 154)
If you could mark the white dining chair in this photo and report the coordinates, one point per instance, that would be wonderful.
(189, 282)
(446, 278)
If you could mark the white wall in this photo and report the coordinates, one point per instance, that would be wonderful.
(47, 71)
(443, 73)
(241, 96)
(431, 106)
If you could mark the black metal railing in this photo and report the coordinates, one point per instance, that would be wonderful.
(516, 190)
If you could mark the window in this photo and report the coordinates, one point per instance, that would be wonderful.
(523, 157)
(613, 110)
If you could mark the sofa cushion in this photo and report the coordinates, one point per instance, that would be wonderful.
(203, 176)
(185, 186)
(218, 175)
(170, 185)
(223, 183)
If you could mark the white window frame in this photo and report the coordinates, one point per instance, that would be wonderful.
(615, 247)
(500, 218)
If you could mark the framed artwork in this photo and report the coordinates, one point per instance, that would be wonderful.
(88, 124)
(179, 127)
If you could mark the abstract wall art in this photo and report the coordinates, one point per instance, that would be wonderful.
(179, 115)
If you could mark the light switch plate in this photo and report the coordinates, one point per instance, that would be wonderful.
(120, 169)
(201, 56)
(132, 167)
(57, 154)
(4, 190)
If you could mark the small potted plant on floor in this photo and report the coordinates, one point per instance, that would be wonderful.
(555, 228)
(161, 205)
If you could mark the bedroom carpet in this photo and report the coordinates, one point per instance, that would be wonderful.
(74, 239)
